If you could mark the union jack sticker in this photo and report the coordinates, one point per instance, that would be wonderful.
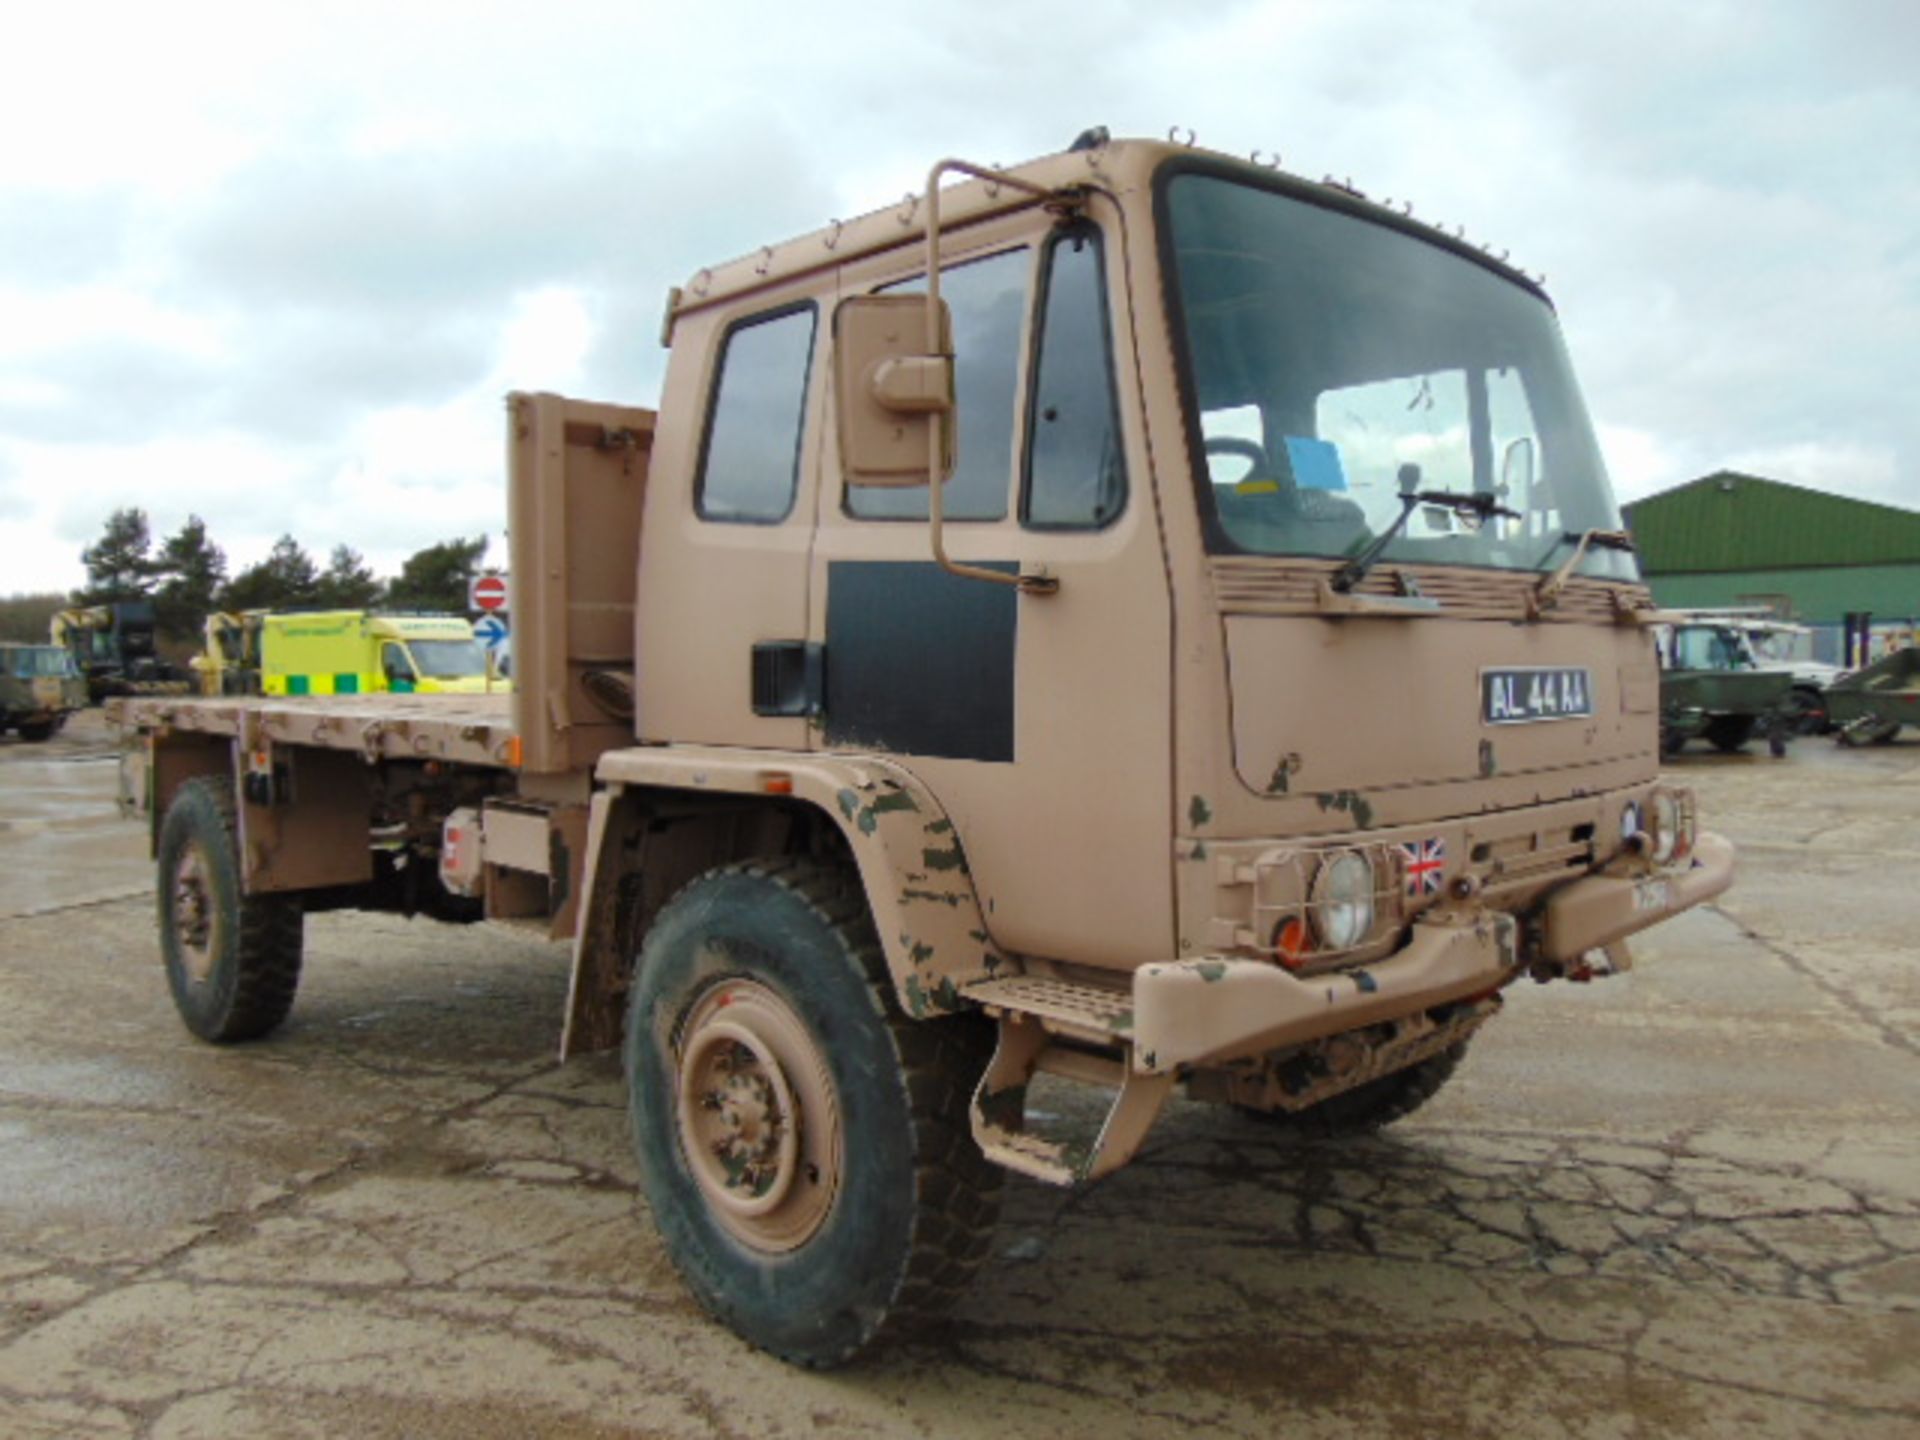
(1424, 863)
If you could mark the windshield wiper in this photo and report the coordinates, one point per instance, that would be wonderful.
(1547, 592)
(1480, 503)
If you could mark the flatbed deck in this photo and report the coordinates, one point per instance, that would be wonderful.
(464, 729)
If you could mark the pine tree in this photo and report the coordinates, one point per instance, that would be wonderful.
(287, 579)
(119, 564)
(348, 582)
(437, 578)
(194, 569)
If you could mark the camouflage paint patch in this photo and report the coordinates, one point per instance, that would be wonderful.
(938, 897)
(866, 822)
(1199, 812)
(1487, 766)
(981, 936)
(1211, 971)
(939, 827)
(1351, 802)
(949, 859)
(1199, 850)
(1365, 983)
(916, 998)
(894, 800)
(1283, 773)
(946, 995)
(920, 952)
(849, 802)
(1122, 1023)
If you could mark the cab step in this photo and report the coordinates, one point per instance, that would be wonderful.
(1070, 1029)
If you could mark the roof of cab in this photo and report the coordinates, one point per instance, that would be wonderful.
(1116, 167)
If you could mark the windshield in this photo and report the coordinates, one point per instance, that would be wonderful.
(1338, 363)
(30, 660)
(449, 659)
(1710, 647)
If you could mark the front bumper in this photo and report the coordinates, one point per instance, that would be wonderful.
(1211, 1010)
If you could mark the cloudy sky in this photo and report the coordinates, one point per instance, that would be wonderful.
(276, 265)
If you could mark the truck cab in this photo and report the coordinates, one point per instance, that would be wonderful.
(1306, 619)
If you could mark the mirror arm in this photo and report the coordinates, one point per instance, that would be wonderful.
(1040, 584)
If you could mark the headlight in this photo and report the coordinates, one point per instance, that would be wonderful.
(1343, 900)
(1664, 811)
(1632, 822)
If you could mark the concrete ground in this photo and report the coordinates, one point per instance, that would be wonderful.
(1685, 1202)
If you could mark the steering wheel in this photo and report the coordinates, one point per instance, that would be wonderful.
(1250, 450)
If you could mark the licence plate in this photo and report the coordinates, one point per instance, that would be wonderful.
(1535, 692)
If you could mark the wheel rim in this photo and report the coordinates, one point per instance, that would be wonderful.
(758, 1119)
(190, 896)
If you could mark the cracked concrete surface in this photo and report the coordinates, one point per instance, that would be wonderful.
(1683, 1202)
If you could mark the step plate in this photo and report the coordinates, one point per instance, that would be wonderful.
(1065, 1004)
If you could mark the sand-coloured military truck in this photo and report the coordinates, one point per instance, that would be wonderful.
(1140, 620)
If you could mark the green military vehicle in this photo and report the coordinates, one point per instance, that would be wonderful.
(1869, 706)
(1713, 688)
(39, 687)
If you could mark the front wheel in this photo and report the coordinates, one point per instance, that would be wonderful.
(232, 959)
(1375, 1104)
(806, 1149)
(38, 731)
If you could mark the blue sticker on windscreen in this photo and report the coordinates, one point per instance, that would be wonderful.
(1316, 463)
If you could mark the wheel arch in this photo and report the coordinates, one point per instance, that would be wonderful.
(905, 847)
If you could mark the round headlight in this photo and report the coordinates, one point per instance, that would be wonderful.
(1343, 900)
(1631, 821)
(1664, 811)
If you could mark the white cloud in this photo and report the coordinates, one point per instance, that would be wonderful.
(276, 265)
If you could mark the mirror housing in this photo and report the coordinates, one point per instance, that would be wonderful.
(891, 395)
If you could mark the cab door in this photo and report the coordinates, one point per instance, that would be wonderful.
(1042, 722)
(722, 597)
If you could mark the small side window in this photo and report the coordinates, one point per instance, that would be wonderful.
(1076, 477)
(751, 466)
(988, 301)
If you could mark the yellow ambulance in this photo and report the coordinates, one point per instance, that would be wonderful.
(349, 652)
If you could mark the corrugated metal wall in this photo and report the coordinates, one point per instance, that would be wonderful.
(1730, 522)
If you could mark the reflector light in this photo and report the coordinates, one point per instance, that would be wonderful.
(1291, 942)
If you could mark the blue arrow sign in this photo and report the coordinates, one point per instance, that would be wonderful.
(490, 631)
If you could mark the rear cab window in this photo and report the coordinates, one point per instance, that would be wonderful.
(750, 463)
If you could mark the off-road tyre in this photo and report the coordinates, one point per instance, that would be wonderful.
(232, 959)
(1808, 707)
(1376, 1104)
(1729, 734)
(909, 1215)
(35, 733)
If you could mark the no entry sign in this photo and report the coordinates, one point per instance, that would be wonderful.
(488, 593)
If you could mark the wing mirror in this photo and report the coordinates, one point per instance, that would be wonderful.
(893, 398)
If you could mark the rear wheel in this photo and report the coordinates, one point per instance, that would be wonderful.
(232, 959)
(1729, 734)
(40, 730)
(806, 1149)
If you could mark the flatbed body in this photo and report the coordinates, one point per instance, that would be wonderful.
(464, 729)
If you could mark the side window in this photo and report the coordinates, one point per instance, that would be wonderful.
(1076, 478)
(751, 465)
(988, 299)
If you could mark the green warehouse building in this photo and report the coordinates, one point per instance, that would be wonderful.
(1739, 540)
